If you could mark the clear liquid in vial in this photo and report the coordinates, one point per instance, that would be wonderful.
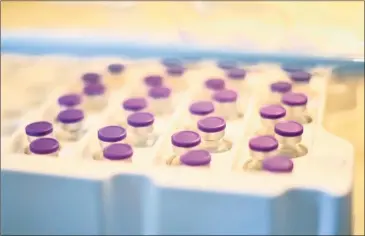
(212, 131)
(289, 135)
(141, 129)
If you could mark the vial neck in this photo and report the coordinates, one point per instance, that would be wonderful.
(212, 140)
(73, 127)
(259, 156)
(289, 141)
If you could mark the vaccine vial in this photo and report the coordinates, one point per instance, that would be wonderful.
(141, 129)
(95, 98)
(176, 79)
(171, 62)
(289, 135)
(182, 142)
(199, 110)
(136, 104)
(160, 100)
(270, 116)
(91, 78)
(68, 101)
(301, 81)
(212, 131)
(196, 158)
(111, 134)
(236, 79)
(118, 152)
(213, 85)
(296, 107)
(278, 164)
(71, 122)
(115, 75)
(227, 64)
(153, 81)
(44, 146)
(226, 104)
(36, 130)
(260, 148)
(277, 89)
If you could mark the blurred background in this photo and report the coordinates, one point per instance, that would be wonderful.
(322, 28)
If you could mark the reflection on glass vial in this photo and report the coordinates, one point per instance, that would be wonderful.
(226, 104)
(296, 107)
(141, 129)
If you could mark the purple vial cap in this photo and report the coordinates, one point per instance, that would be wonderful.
(212, 124)
(94, 89)
(112, 133)
(278, 164)
(44, 146)
(294, 99)
(201, 108)
(185, 139)
(118, 151)
(265, 143)
(171, 62)
(289, 129)
(140, 119)
(116, 68)
(227, 64)
(159, 92)
(69, 100)
(175, 70)
(91, 78)
(134, 104)
(196, 158)
(225, 95)
(272, 112)
(281, 87)
(215, 84)
(300, 76)
(70, 116)
(39, 128)
(153, 80)
(236, 73)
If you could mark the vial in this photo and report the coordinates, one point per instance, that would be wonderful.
(196, 158)
(91, 78)
(111, 134)
(132, 105)
(236, 79)
(301, 81)
(212, 131)
(45, 146)
(160, 100)
(260, 148)
(289, 135)
(198, 110)
(141, 128)
(213, 85)
(68, 101)
(227, 64)
(270, 116)
(95, 96)
(71, 124)
(153, 81)
(278, 164)
(115, 75)
(176, 79)
(277, 89)
(182, 142)
(226, 104)
(296, 107)
(171, 62)
(118, 152)
(39, 129)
